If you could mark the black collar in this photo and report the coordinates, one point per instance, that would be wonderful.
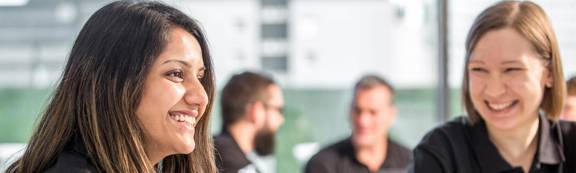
(351, 152)
(549, 147)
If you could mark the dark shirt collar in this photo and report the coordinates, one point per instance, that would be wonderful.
(550, 151)
(490, 161)
(351, 152)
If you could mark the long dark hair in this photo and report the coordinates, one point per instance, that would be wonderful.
(102, 86)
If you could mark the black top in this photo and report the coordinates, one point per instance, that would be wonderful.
(229, 156)
(460, 147)
(72, 159)
(341, 158)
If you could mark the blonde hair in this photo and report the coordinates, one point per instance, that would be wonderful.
(528, 19)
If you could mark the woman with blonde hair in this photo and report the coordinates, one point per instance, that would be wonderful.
(135, 96)
(513, 92)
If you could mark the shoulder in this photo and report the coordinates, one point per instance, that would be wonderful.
(328, 156)
(567, 133)
(567, 130)
(401, 153)
(224, 143)
(437, 150)
(397, 156)
(229, 156)
(222, 138)
(333, 150)
(71, 161)
(398, 147)
(73, 158)
(446, 133)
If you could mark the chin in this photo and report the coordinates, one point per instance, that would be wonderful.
(501, 124)
(186, 148)
(362, 140)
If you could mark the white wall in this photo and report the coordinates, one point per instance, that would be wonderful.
(333, 43)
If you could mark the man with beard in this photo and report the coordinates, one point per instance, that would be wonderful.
(368, 149)
(251, 108)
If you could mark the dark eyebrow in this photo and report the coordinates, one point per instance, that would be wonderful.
(184, 63)
(178, 61)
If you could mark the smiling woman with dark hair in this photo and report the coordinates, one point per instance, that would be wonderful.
(135, 96)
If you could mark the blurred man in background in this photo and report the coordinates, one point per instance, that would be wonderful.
(569, 112)
(251, 107)
(368, 149)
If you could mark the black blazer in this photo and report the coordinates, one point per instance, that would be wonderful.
(73, 159)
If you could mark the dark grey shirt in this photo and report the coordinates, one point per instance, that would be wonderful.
(229, 156)
(341, 158)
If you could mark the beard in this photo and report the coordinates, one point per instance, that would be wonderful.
(264, 142)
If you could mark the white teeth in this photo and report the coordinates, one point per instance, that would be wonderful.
(499, 106)
(190, 120)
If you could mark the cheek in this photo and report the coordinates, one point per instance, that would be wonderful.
(475, 85)
(167, 93)
(355, 120)
(474, 82)
(159, 97)
(386, 121)
(276, 121)
(528, 86)
(375, 121)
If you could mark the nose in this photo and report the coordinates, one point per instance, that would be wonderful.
(281, 118)
(495, 87)
(362, 119)
(195, 94)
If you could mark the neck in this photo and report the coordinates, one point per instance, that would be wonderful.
(517, 146)
(373, 156)
(243, 134)
(154, 155)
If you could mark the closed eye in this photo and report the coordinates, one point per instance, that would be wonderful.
(508, 70)
(478, 69)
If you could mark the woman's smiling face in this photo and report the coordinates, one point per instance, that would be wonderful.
(507, 79)
(173, 100)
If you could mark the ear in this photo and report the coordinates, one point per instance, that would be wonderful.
(255, 113)
(549, 78)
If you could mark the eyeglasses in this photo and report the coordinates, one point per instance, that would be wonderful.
(277, 108)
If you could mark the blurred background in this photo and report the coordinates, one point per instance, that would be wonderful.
(316, 49)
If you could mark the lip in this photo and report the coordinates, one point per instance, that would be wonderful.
(187, 124)
(502, 109)
(193, 113)
(500, 105)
